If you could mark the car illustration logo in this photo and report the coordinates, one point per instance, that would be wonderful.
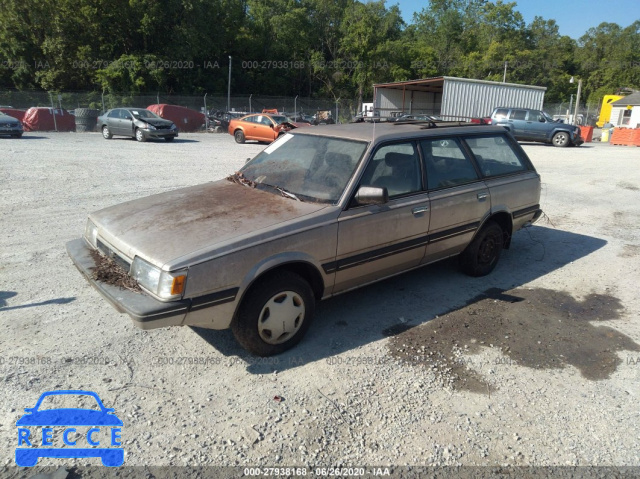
(63, 426)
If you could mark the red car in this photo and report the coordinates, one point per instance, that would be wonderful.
(261, 127)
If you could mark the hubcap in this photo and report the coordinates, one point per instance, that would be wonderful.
(487, 251)
(105, 132)
(138, 135)
(281, 317)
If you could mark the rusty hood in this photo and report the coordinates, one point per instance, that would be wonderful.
(199, 219)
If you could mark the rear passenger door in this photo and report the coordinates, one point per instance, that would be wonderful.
(518, 123)
(459, 198)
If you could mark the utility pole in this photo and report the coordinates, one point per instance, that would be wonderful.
(229, 87)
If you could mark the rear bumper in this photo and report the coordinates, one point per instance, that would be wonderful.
(145, 311)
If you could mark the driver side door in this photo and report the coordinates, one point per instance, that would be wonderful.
(377, 241)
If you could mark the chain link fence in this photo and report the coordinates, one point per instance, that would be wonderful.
(343, 110)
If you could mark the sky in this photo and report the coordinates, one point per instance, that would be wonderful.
(573, 17)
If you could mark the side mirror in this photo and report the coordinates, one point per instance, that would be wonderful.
(371, 195)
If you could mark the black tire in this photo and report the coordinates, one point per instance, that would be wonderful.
(483, 253)
(85, 119)
(169, 138)
(561, 139)
(17, 135)
(106, 134)
(140, 135)
(85, 113)
(239, 136)
(295, 301)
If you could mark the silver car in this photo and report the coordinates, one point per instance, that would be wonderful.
(138, 123)
(317, 213)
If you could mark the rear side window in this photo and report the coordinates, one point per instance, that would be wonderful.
(494, 155)
(114, 113)
(501, 113)
(446, 164)
(518, 115)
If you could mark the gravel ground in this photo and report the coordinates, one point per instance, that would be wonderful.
(534, 365)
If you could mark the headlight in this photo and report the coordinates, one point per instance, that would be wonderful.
(91, 233)
(150, 127)
(166, 285)
(173, 127)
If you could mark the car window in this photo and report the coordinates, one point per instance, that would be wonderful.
(495, 155)
(68, 401)
(125, 115)
(314, 168)
(114, 113)
(395, 167)
(251, 119)
(501, 113)
(518, 115)
(446, 164)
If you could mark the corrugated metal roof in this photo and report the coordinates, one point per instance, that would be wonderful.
(633, 100)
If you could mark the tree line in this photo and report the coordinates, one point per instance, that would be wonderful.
(311, 48)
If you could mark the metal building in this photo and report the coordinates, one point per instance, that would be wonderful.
(453, 98)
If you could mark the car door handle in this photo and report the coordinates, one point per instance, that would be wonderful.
(419, 209)
(483, 195)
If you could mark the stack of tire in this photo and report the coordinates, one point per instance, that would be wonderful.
(86, 119)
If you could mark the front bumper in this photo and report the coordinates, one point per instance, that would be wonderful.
(8, 130)
(160, 133)
(146, 312)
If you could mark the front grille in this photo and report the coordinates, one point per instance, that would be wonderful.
(8, 125)
(109, 253)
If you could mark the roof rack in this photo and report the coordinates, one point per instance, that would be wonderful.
(435, 124)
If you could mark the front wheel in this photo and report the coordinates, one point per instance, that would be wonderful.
(275, 314)
(239, 136)
(561, 139)
(140, 135)
(483, 253)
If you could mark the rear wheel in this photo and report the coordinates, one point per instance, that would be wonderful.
(275, 314)
(106, 133)
(561, 139)
(483, 253)
(239, 136)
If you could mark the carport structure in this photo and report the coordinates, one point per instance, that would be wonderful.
(453, 98)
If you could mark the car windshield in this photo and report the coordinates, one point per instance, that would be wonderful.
(309, 167)
(144, 114)
(547, 116)
(281, 119)
(68, 401)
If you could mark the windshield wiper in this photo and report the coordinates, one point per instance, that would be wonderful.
(285, 193)
(240, 179)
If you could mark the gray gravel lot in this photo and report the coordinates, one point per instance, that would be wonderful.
(354, 391)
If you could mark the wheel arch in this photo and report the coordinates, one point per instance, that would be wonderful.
(297, 264)
(505, 221)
